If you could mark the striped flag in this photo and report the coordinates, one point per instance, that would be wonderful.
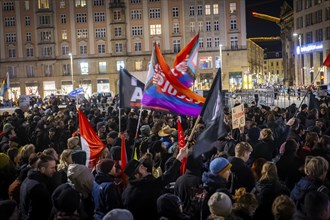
(90, 142)
(5, 85)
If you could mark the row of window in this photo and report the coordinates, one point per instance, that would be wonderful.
(313, 18)
(317, 36)
(304, 4)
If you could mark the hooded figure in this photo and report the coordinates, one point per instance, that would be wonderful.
(169, 206)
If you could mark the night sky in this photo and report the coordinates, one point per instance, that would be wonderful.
(257, 27)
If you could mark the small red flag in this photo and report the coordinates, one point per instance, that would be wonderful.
(182, 143)
(123, 155)
(327, 61)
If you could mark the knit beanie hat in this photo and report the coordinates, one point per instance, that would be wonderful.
(4, 160)
(66, 199)
(219, 165)
(118, 214)
(105, 165)
(220, 204)
(254, 133)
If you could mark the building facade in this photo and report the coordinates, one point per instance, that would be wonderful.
(312, 40)
(53, 46)
(273, 68)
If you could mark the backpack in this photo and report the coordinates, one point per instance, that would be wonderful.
(197, 198)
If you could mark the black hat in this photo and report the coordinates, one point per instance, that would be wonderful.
(66, 199)
(267, 108)
(115, 152)
(113, 134)
(131, 167)
(105, 165)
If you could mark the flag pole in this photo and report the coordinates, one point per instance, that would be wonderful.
(193, 131)
(119, 120)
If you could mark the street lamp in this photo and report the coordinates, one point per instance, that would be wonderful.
(300, 61)
(71, 65)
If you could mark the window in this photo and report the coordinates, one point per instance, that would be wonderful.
(176, 28)
(208, 42)
(30, 71)
(136, 14)
(27, 21)
(99, 16)
(192, 26)
(116, 15)
(327, 13)
(11, 52)
(154, 13)
(199, 9)
(62, 3)
(98, 2)
(154, 0)
(233, 24)
(216, 25)
(309, 19)
(46, 35)
(82, 33)
(100, 32)
(207, 9)
(201, 43)
(232, 7)
(327, 33)
(155, 29)
(137, 46)
(83, 49)
(316, 2)
(192, 11)
(200, 25)
(299, 5)
(29, 52)
(63, 19)
(138, 65)
(9, 22)
(102, 67)
(319, 35)
(12, 71)
(205, 62)
(43, 4)
(26, 5)
(44, 20)
(208, 26)
(28, 37)
(300, 23)
(66, 69)
(318, 15)
(216, 42)
(65, 50)
(119, 47)
(8, 6)
(84, 68)
(81, 17)
(215, 9)
(47, 51)
(175, 12)
(135, 1)
(308, 3)
(120, 63)
(64, 35)
(10, 38)
(80, 3)
(176, 46)
(137, 31)
(234, 42)
(117, 31)
(101, 48)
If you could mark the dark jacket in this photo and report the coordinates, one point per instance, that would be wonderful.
(140, 196)
(264, 149)
(105, 194)
(242, 175)
(35, 197)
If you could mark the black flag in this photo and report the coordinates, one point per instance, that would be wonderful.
(130, 90)
(213, 117)
(313, 102)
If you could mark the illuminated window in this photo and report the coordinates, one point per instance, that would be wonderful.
(62, 3)
(102, 67)
(26, 5)
(84, 68)
(207, 9)
(64, 35)
(82, 33)
(48, 70)
(80, 3)
(200, 25)
(232, 7)
(215, 9)
(155, 29)
(43, 4)
(120, 63)
(138, 65)
(205, 62)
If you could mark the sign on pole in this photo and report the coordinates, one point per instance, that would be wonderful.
(238, 116)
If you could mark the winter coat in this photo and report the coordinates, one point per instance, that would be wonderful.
(264, 149)
(242, 175)
(105, 194)
(35, 197)
(140, 196)
(266, 191)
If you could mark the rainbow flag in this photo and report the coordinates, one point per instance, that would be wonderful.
(163, 89)
(4, 85)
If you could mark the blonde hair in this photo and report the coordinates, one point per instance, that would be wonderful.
(316, 167)
(266, 134)
(242, 147)
(65, 160)
(269, 171)
(27, 150)
(245, 199)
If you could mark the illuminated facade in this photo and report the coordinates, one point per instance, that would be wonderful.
(312, 42)
(273, 68)
(40, 38)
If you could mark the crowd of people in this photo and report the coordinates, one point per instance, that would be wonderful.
(275, 167)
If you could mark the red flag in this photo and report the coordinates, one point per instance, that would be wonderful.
(327, 61)
(123, 154)
(182, 143)
(90, 142)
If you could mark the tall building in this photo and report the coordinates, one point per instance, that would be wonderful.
(53, 46)
(312, 42)
(273, 68)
